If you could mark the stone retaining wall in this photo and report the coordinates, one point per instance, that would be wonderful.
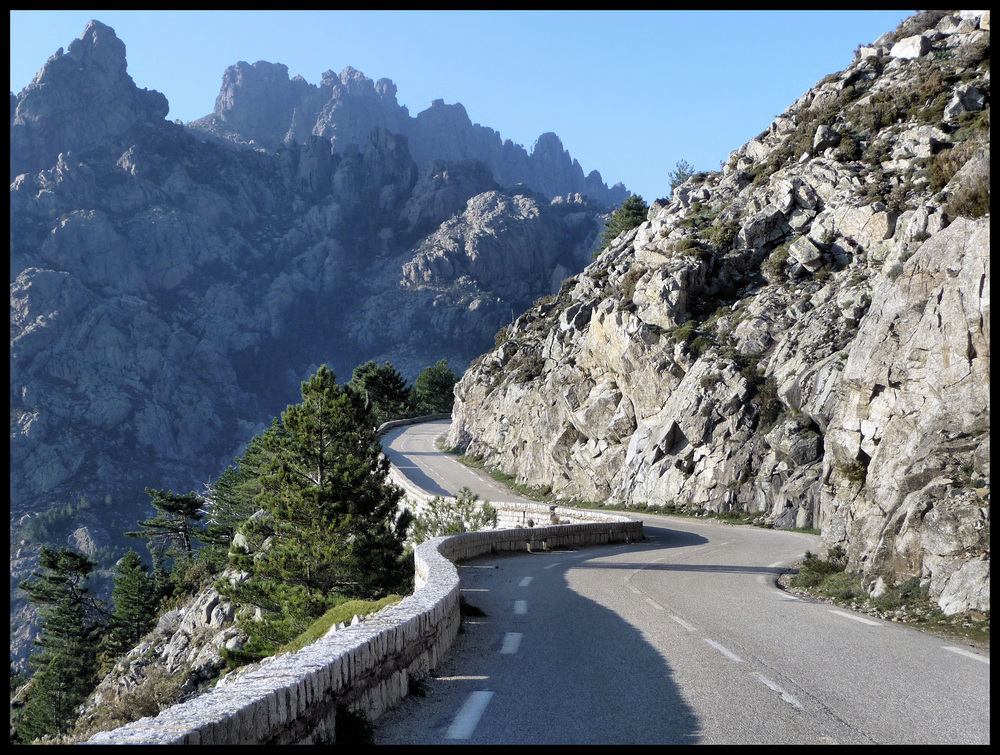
(368, 666)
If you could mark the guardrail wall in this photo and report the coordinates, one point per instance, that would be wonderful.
(369, 666)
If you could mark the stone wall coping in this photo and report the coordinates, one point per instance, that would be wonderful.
(293, 698)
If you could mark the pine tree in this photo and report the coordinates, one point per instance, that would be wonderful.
(71, 622)
(329, 525)
(174, 528)
(135, 598)
(682, 173)
(632, 213)
(230, 499)
(434, 390)
(384, 389)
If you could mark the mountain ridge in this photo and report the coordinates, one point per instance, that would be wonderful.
(345, 107)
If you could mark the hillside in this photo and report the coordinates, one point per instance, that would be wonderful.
(803, 335)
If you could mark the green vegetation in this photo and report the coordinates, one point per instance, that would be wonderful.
(855, 471)
(769, 406)
(389, 397)
(632, 213)
(328, 526)
(135, 597)
(972, 201)
(65, 669)
(354, 727)
(908, 601)
(158, 691)
(385, 391)
(447, 517)
(306, 512)
(773, 267)
(681, 173)
(174, 529)
(434, 390)
(342, 613)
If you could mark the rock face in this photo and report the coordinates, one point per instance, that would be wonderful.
(261, 106)
(89, 80)
(168, 294)
(803, 335)
(175, 660)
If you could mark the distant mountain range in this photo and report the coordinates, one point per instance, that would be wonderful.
(259, 105)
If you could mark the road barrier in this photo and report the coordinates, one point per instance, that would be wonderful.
(369, 666)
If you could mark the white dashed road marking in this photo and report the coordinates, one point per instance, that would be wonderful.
(784, 695)
(468, 716)
(683, 623)
(856, 618)
(725, 651)
(511, 642)
(968, 654)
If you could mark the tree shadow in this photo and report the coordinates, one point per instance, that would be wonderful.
(416, 475)
(581, 675)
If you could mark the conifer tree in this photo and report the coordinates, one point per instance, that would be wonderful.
(384, 389)
(134, 598)
(231, 497)
(633, 212)
(434, 390)
(682, 173)
(329, 524)
(71, 622)
(174, 528)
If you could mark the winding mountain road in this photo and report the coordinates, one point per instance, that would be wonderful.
(683, 638)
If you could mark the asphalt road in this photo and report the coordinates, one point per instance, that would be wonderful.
(413, 450)
(683, 638)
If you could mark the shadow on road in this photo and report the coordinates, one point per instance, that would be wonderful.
(581, 674)
(420, 478)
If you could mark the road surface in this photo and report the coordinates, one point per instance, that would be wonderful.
(683, 638)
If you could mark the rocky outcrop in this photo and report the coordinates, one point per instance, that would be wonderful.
(913, 420)
(258, 105)
(513, 245)
(89, 80)
(803, 335)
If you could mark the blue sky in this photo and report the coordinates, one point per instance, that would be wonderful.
(630, 93)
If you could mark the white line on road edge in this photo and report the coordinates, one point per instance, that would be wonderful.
(726, 652)
(968, 654)
(468, 716)
(525, 582)
(654, 604)
(784, 695)
(520, 606)
(683, 623)
(856, 618)
(511, 641)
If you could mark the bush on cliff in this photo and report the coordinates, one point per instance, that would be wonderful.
(632, 213)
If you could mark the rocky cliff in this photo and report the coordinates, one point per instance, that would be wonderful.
(168, 293)
(260, 106)
(804, 334)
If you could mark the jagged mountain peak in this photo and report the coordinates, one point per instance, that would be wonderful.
(260, 106)
(168, 294)
(81, 97)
